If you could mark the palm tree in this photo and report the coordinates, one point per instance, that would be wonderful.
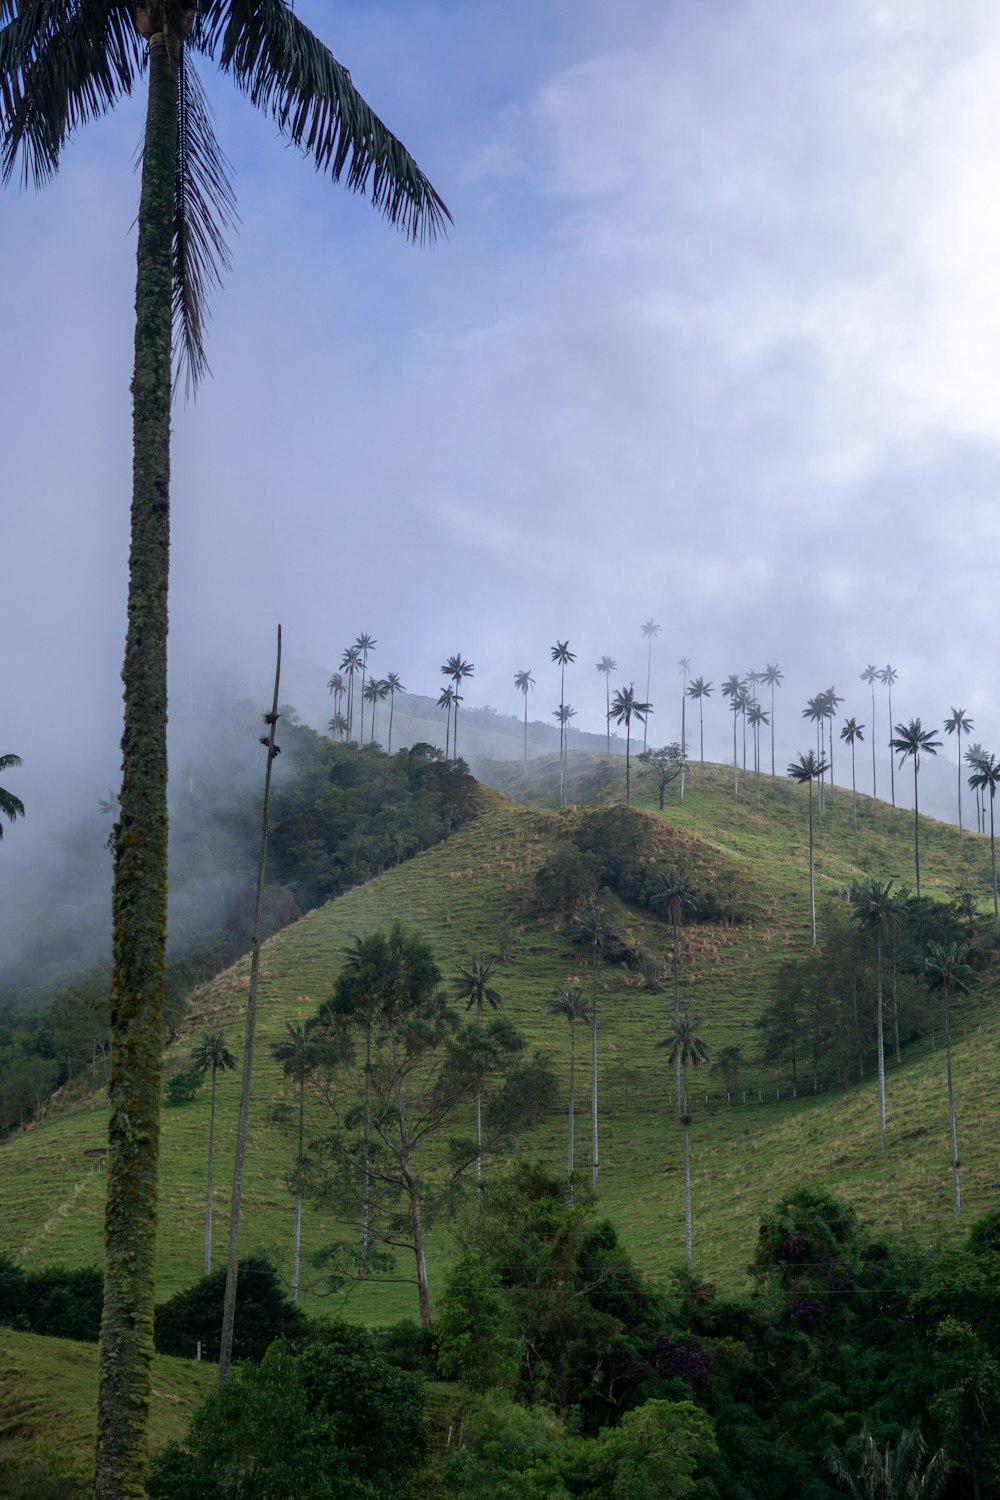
(350, 662)
(363, 645)
(912, 741)
(563, 657)
(852, 733)
(209, 1056)
(893, 1474)
(294, 1055)
(757, 717)
(733, 688)
(987, 776)
(831, 702)
(473, 986)
(808, 769)
(591, 928)
(973, 757)
(945, 967)
(375, 693)
(457, 670)
(870, 675)
(564, 713)
(878, 912)
(887, 677)
(448, 700)
(701, 690)
(574, 1005)
(607, 665)
(687, 1049)
(684, 667)
(337, 688)
(673, 895)
(524, 682)
(624, 708)
(649, 633)
(816, 711)
(959, 724)
(11, 807)
(394, 686)
(60, 68)
(772, 678)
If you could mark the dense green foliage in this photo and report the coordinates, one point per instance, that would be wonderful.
(263, 1312)
(57, 1301)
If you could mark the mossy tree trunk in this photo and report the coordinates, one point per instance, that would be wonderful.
(140, 840)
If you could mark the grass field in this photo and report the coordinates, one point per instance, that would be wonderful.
(463, 894)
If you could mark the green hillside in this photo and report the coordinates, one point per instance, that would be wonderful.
(475, 893)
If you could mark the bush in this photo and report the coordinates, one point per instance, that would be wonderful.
(57, 1302)
(182, 1087)
(263, 1312)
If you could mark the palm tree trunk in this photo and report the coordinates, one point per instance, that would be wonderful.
(419, 1253)
(736, 767)
(572, 1088)
(874, 788)
(208, 1195)
(683, 737)
(243, 1124)
(628, 762)
(677, 1018)
(479, 1106)
(607, 705)
(951, 1114)
(892, 763)
(960, 834)
(298, 1190)
(916, 826)
(366, 1186)
(881, 1053)
(525, 729)
(772, 728)
(993, 863)
(594, 1154)
(854, 801)
(812, 880)
(139, 902)
(701, 740)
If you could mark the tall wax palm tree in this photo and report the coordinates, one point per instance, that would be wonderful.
(986, 777)
(607, 665)
(350, 663)
(448, 700)
(624, 708)
(897, 1473)
(293, 1053)
(473, 986)
(684, 667)
(973, 757)
(701, 690)
(11, 807)
(591, 929)
(806, 770)
(773, 676)
(375, 693)
(877, 912)
(457, 669)
(650, 631)
(210, 1056)
(870, 675)
(563, 657)
(912, 741)
(524, 682)
(888, 676)
(363, 645)
(733, 688)
(61, 66)
(687, 1049)
(574, 1006)
(959, 724)
(673, 895)
(831, 702)
(852, 733)
(564, 713)
(394, 685)
(815, 711)
(752, 679)
(756, 718)
(945, 968)
(337, 688)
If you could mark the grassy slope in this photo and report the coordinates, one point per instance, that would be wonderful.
(460, 894)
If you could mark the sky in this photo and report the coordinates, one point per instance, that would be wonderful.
(714, 340)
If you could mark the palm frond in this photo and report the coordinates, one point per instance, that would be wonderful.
(61, 65)
(288, 73)
(11, 807)
(204, 208)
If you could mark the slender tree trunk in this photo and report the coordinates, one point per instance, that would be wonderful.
(526, 729)
(649, 670)
(479, 1106)
(895, 1007)
(736, 764)
(392, 708)
(366, 1185)
(881, 1053)
(419, 1253)
(916, 825)
(628, 763)
(298, 1189)
(960, 832)
(892, 763)
(874, 790)
(243, 1124)
(701, 741)
(772, 728)
(572, 1088)
(607, 705)
(677, 1018)
(993, 864)
(594, 1154)
(812, 880)
(139, 905)
(854, 801)
(683, 738)
(208, 1195)
(951, 1114)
